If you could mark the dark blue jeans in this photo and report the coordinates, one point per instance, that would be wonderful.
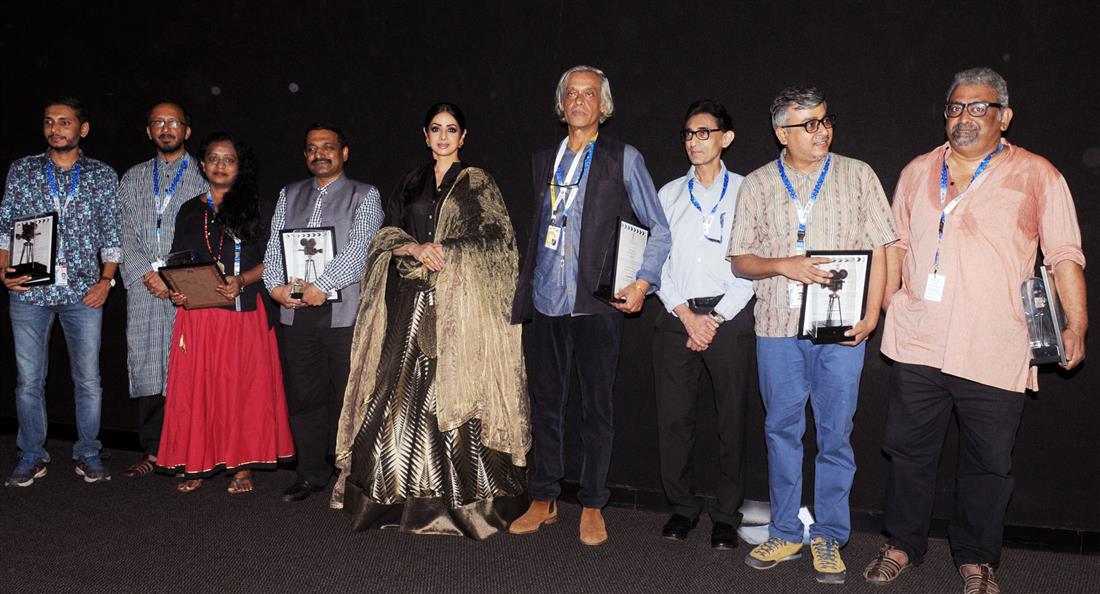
(30, 325)
(556, 345)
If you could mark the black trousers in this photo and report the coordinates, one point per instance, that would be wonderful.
(731, 362)
(921, 401)
(150, 422)
(316, 361)
(556, 344)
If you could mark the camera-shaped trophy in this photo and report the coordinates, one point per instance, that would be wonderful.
(832, 307)
(36, 238)
(1045, 318)
(306, 252)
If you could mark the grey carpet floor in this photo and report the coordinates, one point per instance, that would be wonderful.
(140, 535)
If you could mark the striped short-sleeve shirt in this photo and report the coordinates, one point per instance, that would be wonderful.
(851, 213)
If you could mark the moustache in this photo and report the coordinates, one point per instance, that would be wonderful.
(316, 161)
(166, 137)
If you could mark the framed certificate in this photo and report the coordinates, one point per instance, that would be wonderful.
(34, 239)
(830, 309)
(197, 282)
(1045, 318)
(625, 258)
(306, 252)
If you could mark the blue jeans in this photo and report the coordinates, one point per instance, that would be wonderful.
(793, 371)
(30, 326)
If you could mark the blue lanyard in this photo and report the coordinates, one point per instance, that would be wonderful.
(709, 218)
(55, 195)
(947, 208)
(163, 205)
(559, 178)
(55, 192)
(803, 213)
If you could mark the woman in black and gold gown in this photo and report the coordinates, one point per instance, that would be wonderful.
(435, 426)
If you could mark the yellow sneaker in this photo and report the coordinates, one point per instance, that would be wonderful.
(827, 562)
(772, 552)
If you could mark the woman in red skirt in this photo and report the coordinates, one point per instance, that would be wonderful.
(225, 408)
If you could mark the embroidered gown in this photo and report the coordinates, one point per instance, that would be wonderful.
(404, 470)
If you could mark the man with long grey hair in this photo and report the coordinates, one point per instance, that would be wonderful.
(565, 259)
(824, 201)
(969, 216)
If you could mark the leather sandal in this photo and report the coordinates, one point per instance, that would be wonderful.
(884, 569)
(147, 465)
(982, 582)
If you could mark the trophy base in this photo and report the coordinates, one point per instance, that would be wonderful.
(829, 334)
(35, 270)
(1046, 354)
(296, 294)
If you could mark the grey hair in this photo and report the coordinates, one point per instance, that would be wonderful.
(984, 76)
(607, 104)
(802, 97)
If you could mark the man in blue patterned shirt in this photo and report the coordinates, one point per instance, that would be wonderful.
(84, 194)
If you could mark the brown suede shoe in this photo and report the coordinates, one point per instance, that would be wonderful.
(593, 530)
(540, 512)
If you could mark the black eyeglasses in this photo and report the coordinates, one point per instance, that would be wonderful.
(701, 133)
(811, 126)
(974, 108)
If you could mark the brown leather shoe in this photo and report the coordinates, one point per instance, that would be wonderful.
(593, 530)
(540, 512)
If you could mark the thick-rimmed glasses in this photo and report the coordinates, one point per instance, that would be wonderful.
(811, 126)
(173, 124)
(701, 133)
(974, 108)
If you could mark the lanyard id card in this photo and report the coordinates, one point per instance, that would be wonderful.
(794, 294)
(553, 237)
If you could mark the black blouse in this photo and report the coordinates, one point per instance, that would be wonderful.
(414, 204)
(191, 237)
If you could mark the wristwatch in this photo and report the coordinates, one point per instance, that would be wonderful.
(109, 279)
(719, 318)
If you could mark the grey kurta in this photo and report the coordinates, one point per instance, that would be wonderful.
(149, 320)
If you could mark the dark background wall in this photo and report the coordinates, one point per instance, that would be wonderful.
(264, 70)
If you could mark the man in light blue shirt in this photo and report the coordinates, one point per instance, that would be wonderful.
(708, 325)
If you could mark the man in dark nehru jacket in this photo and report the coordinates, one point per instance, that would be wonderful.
(151, 193)
(581, 187)
(708, 323)
(316, 330)
(970, 215)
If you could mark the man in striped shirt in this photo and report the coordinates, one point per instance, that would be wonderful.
(151, 193)
(807, 199)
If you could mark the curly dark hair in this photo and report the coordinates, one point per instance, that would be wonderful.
(240, 208)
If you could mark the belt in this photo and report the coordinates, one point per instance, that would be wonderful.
(703, 302)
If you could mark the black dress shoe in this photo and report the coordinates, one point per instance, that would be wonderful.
(723, 536)
(301, 489)
(677, 527)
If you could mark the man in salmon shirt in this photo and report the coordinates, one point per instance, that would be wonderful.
(969, 216)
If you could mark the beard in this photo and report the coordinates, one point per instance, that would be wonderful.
(169, 146)
(965, 134)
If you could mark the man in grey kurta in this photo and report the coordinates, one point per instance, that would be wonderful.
(151, 194)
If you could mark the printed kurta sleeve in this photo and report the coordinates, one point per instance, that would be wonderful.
(879, 228)
(109, 216)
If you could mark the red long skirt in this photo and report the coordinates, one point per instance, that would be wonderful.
(225, 408)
